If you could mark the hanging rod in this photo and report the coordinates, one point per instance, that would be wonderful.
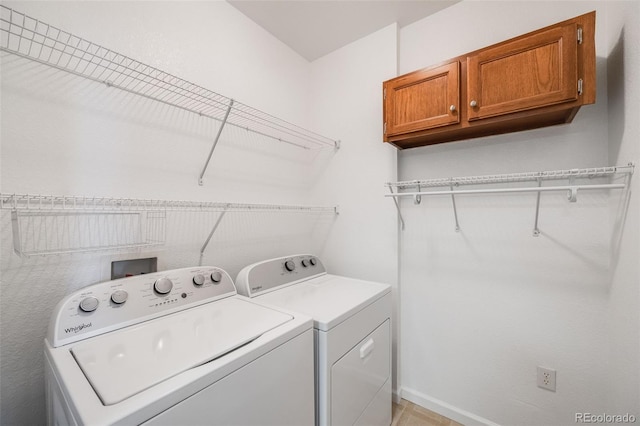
(19, 202)
(593, 172)
(570, 174)
(569, 188)
(30, 38)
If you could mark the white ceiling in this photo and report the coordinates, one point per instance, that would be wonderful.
(314, 28)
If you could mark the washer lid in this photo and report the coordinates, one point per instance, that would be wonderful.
(329, 299)
(123, 363)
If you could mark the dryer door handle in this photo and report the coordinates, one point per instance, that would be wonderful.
(367, 348)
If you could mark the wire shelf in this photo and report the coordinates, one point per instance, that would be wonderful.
(588, 173)
(82, 203)
(49, 224)
(30, 38)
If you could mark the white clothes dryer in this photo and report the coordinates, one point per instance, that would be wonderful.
(177, 347)
(352, 334)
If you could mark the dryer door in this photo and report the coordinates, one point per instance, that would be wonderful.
(357, 377)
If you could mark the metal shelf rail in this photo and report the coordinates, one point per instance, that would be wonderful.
(48, 224)
(454, 183)
(33, 39)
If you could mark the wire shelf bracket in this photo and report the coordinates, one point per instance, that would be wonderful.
(215, 142)
(395, 201)
(213, 230)
(571, 189)
(40, 42)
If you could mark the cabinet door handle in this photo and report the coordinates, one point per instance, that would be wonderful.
(366, 349)
(473, 104)
(452, 108)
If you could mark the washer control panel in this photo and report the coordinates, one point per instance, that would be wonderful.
(269, 275)
(111, 305)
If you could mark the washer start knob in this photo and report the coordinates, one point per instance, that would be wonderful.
(89, 304)
(216, 277)
(119, 296)
(289, 265)
(163, 285)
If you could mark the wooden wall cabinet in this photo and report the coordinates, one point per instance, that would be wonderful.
(535, 80)
(423, 100)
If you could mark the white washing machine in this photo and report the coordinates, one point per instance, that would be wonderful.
(352, 330)
(177, 347)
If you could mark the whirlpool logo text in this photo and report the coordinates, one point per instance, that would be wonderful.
(77, 328)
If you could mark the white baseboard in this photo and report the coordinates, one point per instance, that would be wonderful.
(396, 395)
(442, 408)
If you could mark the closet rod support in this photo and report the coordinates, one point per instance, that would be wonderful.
(213, 230)
(572, 193)
(215, 142)
(536, 231)
(455, 210)
(395, 200)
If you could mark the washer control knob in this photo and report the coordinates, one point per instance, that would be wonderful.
(119, 296)
(89, 304)
(289, 265)
(313, 261)
(163, 285)
(198, 279)
(304, 263)
(216, 277)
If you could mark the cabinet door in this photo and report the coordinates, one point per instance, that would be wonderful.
(422, 100)
(526, 73)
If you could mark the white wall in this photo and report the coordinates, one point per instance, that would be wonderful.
(482, 308)
(63, 135)
(623, 65)
(347, 94)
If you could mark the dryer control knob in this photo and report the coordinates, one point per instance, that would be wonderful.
(89, 304)
(289, 265)
(119, 296)
(313, 261)
(216, 277)
(163, 285)
(198, 279)
(304, 263)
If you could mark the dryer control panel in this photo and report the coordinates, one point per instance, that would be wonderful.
(269, 275)
(116, 304)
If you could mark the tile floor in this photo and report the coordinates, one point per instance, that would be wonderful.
(409, 414)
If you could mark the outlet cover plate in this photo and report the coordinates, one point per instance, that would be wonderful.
(546, 378)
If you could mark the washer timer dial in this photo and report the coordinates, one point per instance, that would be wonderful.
(198, 279)
(89, 304)
(163, 285)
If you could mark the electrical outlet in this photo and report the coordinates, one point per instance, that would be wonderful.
(547, 378)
